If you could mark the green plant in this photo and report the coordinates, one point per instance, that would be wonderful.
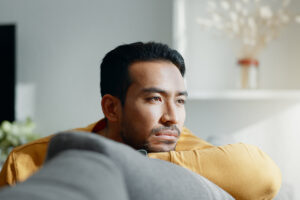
(13, 134)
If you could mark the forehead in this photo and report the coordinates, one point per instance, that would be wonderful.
(160, 74)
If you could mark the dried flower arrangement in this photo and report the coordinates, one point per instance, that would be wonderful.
(253, 22)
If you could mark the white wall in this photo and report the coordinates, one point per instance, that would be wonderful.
(60, 44)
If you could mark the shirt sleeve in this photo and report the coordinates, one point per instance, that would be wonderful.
(23, 161)
(242, 170)
(8, 173)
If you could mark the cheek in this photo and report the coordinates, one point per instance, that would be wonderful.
(142, 117)
(148, 115)
(181, 117)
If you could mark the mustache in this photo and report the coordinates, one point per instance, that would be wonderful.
(166, 128)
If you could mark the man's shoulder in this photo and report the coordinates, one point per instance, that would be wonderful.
(33, 145)
(24, 160)
(31, 154)
(44, 141)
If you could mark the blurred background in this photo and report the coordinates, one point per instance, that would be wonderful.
(59, 46)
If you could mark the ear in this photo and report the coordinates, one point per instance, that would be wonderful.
(111, 107)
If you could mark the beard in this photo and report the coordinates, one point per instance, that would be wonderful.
(131, 137)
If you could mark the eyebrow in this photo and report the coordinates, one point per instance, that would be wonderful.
(158, 90)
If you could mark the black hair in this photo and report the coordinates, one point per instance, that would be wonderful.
(114, 73)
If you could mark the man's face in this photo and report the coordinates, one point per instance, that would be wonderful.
(154, 111)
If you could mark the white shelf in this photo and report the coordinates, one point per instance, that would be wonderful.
(245, 95)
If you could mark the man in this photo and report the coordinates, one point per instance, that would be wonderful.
(143, 96)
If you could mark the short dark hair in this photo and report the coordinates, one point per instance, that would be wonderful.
(114, 73)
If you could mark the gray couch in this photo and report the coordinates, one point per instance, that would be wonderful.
(87, 166)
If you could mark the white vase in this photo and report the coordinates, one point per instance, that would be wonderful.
(248, 73)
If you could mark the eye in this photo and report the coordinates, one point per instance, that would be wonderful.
(154, 99)
(181, 101)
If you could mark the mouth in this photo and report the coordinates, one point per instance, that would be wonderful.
(167, 135)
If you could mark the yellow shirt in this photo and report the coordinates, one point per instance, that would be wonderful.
(242, 170)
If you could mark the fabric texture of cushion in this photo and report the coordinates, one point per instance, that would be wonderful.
(145, 178)
(72, 175)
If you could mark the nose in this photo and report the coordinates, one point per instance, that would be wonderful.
(170, 114)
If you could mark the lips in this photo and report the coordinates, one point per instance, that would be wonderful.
(167, 135)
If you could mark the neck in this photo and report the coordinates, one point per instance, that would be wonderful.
(112, 132)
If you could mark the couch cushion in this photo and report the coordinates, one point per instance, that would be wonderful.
(145, 178)
(72, 175)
